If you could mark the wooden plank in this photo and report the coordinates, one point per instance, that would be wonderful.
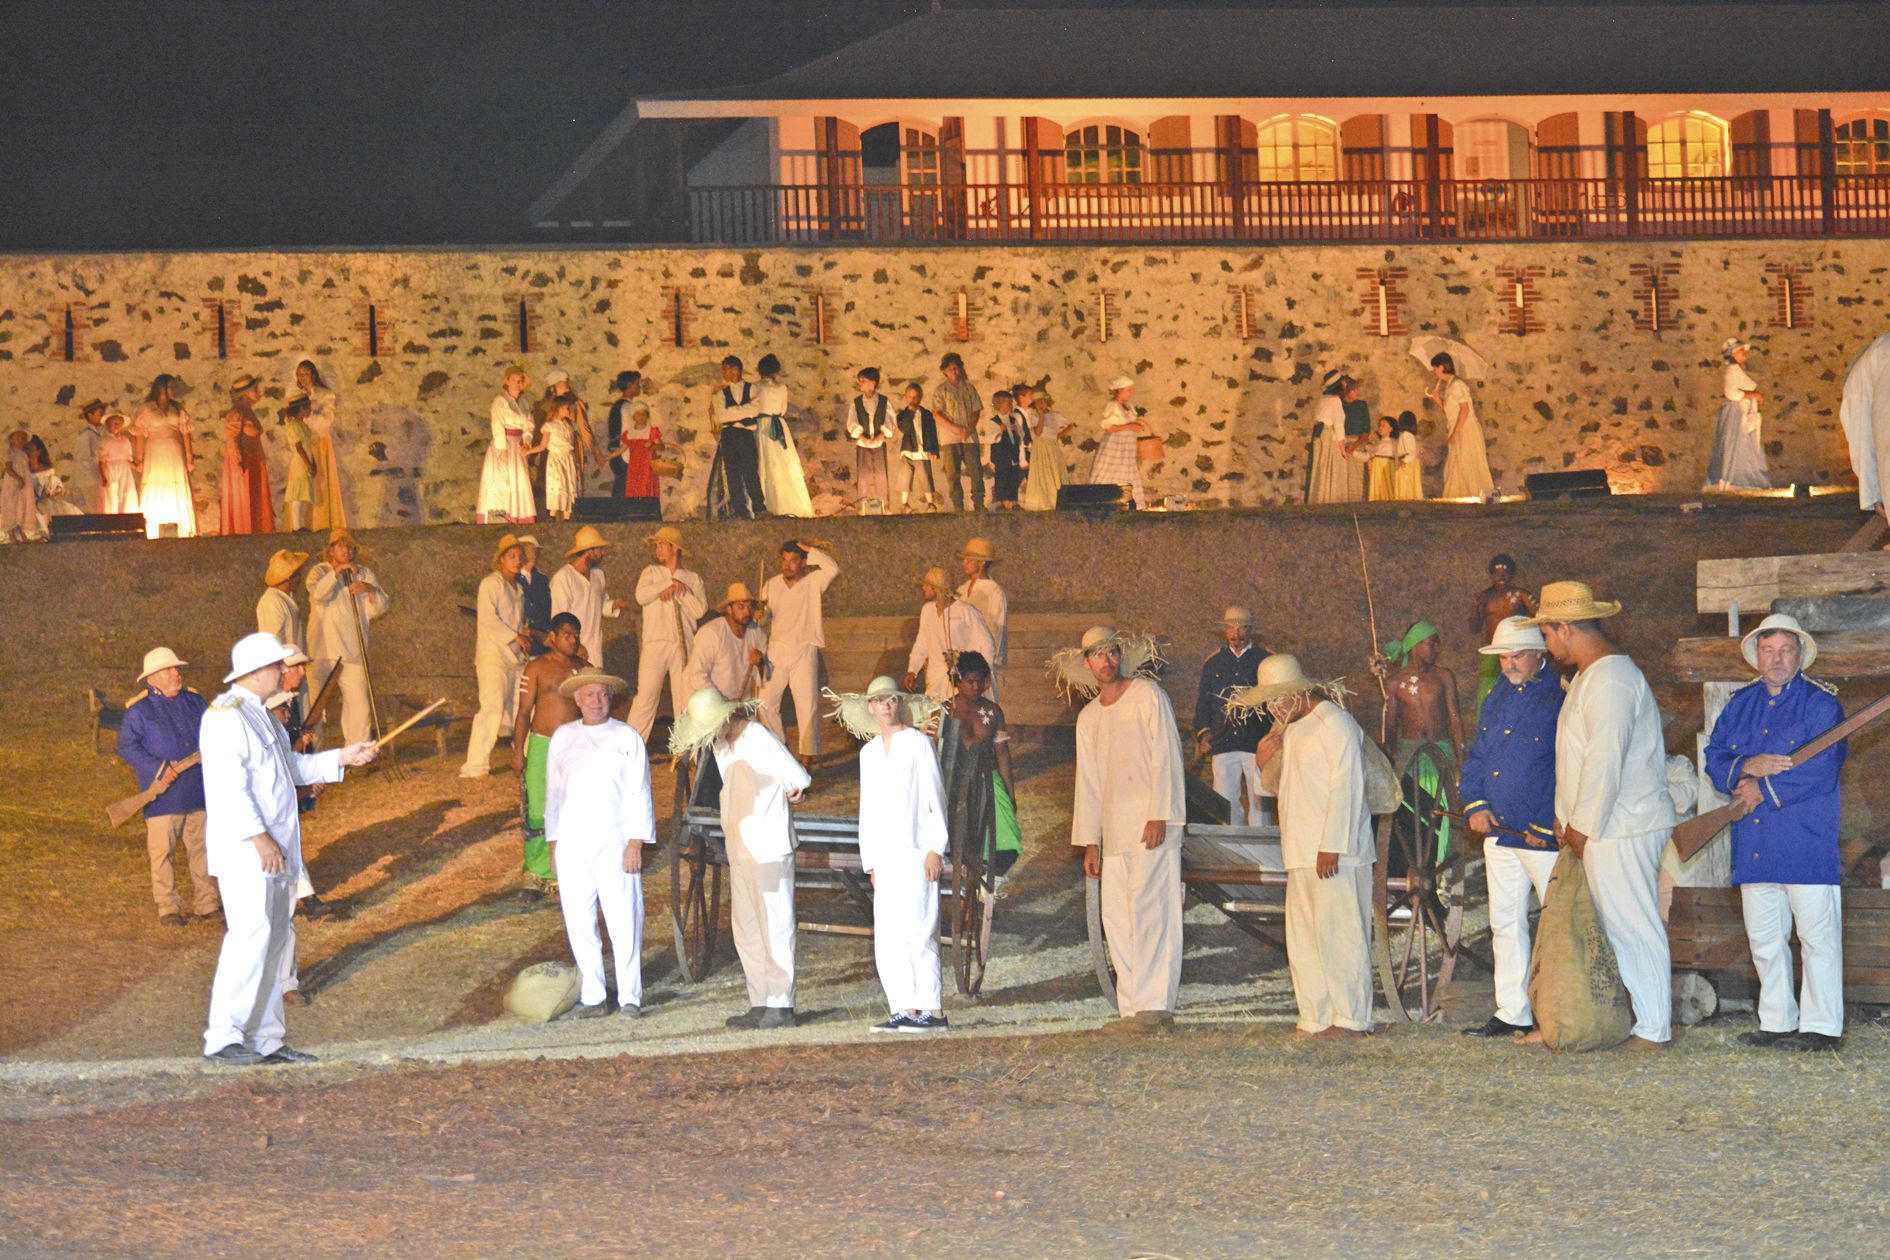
(1867, 536)
(1754, 582)
(1841, 654)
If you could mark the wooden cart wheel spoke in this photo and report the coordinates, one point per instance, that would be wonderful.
(1098, 948)
(695, 885)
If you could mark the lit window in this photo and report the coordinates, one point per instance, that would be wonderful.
(1863, 146)
(1103, 155)
(1298, 148)
(921, 157)
(1691, 146)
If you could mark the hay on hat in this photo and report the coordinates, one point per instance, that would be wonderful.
(703, 718)
(505, 544)
(1141, 658)
(668, 534)
(935, 577)
(283, 566)
(849, 708)
(589, 537)
(979, 549)
(1514, 634)
(592, 676)
(1571, 601)
(1784, 623)
(1278, 679)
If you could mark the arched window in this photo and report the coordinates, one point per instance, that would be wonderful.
(1863, 146)
(1102, 153)
(1298, 147)
(1687, 146)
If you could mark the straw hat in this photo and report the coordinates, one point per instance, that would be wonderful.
(979, 549)
(1749, 646)
(1121, 383)
(505, 544)
(703, 718)
(935, 578)
(588, 676)
(1280, 678)
(160, 658)
(849, 708)
(668, 534)
(242, 383)
(1141, 658)
(1571, 601)
(338, 535)
(1237, 616)
(737, 593)
(96, 404)
(1514, 634)
(588, 537)
(1333, 377)
(283, 566)
(253, 652)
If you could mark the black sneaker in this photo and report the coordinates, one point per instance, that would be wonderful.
(1760, 1037)
(925, 1023)
(777, 1017)
(750, 1018)
(314, 908)
(235, 1055)
(1812, 1041)
(1496, 1027)
(172, 920)
(898, 1021)
(286, 1054)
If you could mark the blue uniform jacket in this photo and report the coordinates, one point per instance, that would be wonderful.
(158, 729)
(1792, 837)
(1510, 768)
(1221, 673)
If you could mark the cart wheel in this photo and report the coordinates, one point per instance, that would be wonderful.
(974, 901)
(1098, 948)
(695, 890)
(1424, 905)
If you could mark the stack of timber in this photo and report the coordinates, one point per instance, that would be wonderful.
(1706, 931)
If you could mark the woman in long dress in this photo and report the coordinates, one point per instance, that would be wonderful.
(330, 510)
(505, 482)
(298, 486)
(1466, 463)
(244, 491)
(1738, 460)
(1334, 476)
(161, 432)
(1045, 477)
(1116, 464)
(50, 496)
(783, 481)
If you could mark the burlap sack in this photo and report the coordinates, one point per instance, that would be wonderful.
(543, 991)
(1574, 985)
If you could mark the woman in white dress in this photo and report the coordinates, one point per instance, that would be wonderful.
(1115, 459)
(1045, 477)
(561, 467)
(1334, 477)
(1738, 460)
(328, 511)
(783, 481)
(1466, 464)
(505, 482)
(161, 434)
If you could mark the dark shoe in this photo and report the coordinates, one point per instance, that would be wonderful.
(213, 916)
(750, 1018)
(531, 896)
(630, 1011)
(234, 1055)
(285, 1054)
(1159, 1021)
(1497, 1027)
(172, 919)
(777, 1017)
(1760, 1037)
(301, 997)
(1812, 1041)
(314, 908)
(897, 1022)
(596, 1010)
(1001, 864)
(925, 1022)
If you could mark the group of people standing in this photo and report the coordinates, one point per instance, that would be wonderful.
(1355, 458)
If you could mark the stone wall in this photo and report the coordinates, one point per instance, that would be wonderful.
(1586, 384)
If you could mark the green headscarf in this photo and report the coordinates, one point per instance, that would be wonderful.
(1398, 651)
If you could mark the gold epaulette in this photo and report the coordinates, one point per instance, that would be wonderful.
(226, 702)
(141, 695)
(1829, 689)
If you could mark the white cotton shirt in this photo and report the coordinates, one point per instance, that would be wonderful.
(1610, 761)
(597, 788)
(1865, 414)
(1322, 790)
(249, 782)
(758, 773)
(500, 606)
(719, 658)
(584, 597)
(277, 613)
(1128, 769)
(960, 628)
(902, 800)
(334, 633)
(659, 616)
(989, 599)
(794, 612)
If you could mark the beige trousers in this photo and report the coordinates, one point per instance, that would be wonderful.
(1329, 947)
(357, 715)
(160, 842)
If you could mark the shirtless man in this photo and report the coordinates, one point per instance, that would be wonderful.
(1494, 602)
(539, 711)
(1421, 708)
(987, 755)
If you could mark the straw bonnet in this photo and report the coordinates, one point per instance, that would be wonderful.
(1280, 678)
(588, 676)
(505, 544)
(160, 658)
(588, 537)
(849, 708)
(1749, 646)
(703, 718)
(1571, 601)
(935, 578)
(283, 566)
(253, 652)
(1731, 344)
(241, 383)
(296, 656)
(737, 593)
(979, 549)
(1121, 383)
(1237, 616)
(1514, 634)
(1141, 658)
(668, 534)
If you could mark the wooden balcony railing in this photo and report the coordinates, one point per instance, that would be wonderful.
(1375, 211)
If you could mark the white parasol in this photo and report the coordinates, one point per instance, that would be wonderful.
(1469, 363)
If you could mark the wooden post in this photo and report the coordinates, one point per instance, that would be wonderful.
(1827, 173)
(1233, 174)
(1033, 176)
(1433, 177)
(830, 177)
(951, 174)
(1630, 170)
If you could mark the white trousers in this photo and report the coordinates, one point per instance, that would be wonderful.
(905, 932)
(761, 919)
(1237, 781)
(357, 715)
(246, 996)
(801, 674)
(1329, 947)
(1623, 875)
(1510, 873)
(655, 662)
(1817, 911)
(1141, 914)
(588, 882)
(498, 689)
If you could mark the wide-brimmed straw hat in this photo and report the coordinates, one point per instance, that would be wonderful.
(668, 534)
(1571, 601)
(283, 566)
(935, 578)
(160, 658)
(588, 538)
(241, 383)
(253, 652)
(979, 549)
(1281, 678)
(703, 718)
(1141, 658)
(1514, 634)
(589, 676)
(339, 534)
(1749, 646)
(506, 543)
(1235, 615)
(849, 708)
(737, 593)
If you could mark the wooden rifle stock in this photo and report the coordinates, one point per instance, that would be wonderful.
(319, 705)
(118, 812)
(1693, 835)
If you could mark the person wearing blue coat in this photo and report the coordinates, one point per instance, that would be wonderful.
(1785, 840)
(160, 730)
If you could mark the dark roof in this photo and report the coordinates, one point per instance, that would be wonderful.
(1406, 50)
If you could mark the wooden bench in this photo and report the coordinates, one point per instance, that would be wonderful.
(1706, 931)
(397, 708)
(106, 716)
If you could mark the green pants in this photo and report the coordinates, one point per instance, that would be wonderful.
(537, 851)
(1010, 837)
(1436, 784)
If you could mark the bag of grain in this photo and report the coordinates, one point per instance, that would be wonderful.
(1574, 985)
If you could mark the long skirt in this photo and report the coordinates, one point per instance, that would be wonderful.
(505, 487)
(1408, 481)
(783, 483)
(329, 511)
(1335, 478)
(561, 483)
(869, 473)
(1738, 459)
(166, 491)
(247, 508)
(1045, 477)
(1467, 466)
(1384, 479)
(1116, 465)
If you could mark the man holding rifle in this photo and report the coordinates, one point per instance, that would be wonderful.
(159, 731)
(1785, 834)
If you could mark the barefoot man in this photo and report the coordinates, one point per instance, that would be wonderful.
(1500, 599)
(539, 711)
(1421, 710)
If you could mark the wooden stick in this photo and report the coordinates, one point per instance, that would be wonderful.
(388, 738)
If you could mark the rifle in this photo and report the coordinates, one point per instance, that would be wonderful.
(319, 705)
(119, 811)
(1692, 835)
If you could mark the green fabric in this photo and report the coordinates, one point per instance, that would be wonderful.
(1398, 651)
(1358, 418)
(1434, 787)
(1010, 837)
(537, 849)
(1489, 669)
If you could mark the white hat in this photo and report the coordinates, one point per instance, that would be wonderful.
(1731, 344)
(1514, 634)
(1237, 616)
(1121, 382)
(1333, 377)
(1749, 646)
(557, 375)
(296, 656)
(159, 658)
(278, 700)
(703, 718)
(253, 652)
(1141, 658)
